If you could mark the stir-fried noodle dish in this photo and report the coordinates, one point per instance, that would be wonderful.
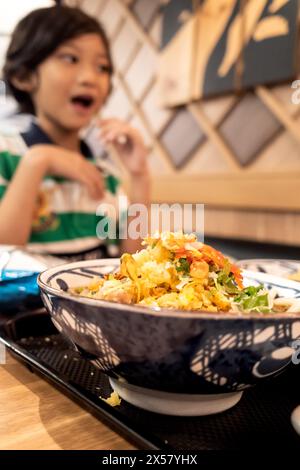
(176, 271)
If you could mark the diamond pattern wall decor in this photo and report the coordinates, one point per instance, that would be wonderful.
(182, 137)
(157, 117)
(145, 11)
(93, 7)
(121, 54)
(248, 128)
(111, 15)
(118, 105)
(141, 72)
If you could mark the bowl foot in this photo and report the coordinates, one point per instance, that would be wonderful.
(295, 418)
(176, 404)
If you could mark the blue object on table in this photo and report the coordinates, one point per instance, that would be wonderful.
(19, 290)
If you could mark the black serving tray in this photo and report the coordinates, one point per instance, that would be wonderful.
(260, 420)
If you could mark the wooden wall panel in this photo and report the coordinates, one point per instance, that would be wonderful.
(261, 191)
(275, 227)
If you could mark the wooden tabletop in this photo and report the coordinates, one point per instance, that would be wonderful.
(34, 415)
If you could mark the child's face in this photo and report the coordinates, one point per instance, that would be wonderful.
(73, 83)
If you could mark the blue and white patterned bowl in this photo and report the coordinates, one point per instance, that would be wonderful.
(174, 362)
(277, 267)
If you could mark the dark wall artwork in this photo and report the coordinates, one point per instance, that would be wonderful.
(234, 45)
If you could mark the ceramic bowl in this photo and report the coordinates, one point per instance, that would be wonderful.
(168, 361)
(277, 267)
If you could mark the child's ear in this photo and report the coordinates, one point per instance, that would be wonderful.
(25, 82)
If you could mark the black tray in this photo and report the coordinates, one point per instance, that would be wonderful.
(260, 419)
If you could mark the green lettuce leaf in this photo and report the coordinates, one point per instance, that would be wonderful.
(251, 298)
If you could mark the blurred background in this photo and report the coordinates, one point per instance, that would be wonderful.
(209, 85)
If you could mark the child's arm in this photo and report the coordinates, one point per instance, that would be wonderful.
(19, 201)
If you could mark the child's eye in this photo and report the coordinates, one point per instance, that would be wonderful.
(70, 58)
(105, 68)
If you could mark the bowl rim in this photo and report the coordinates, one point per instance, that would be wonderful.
(161, 312)
(240, 262)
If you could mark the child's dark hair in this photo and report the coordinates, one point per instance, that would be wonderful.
(37, 36)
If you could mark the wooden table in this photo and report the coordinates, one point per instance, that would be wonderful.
(34, 415)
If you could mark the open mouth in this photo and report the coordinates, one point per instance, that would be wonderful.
(84, 101)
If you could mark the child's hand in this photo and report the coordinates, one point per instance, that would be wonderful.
(128, 143)
(57, 161)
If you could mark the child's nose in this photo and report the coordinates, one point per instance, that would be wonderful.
(87, 74)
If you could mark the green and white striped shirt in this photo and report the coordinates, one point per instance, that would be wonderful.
(65, 220)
